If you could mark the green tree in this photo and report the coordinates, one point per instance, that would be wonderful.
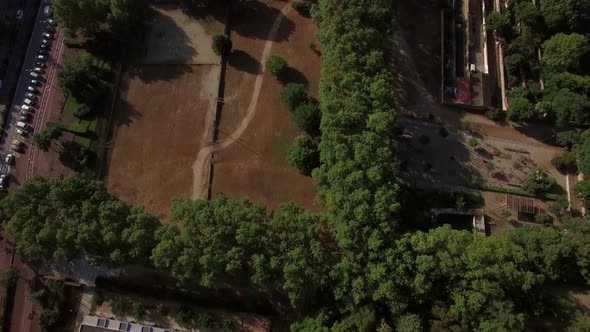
(543, 218)
(204, 320)
(307, 117)
(78, 77)
(568, 138)
(139, 310)
(538, 181)
(80, 15)
(582, 152)
(520, 109)
(293, 95)
(498, 21)
(566, 163)
(223, 234)
(276, 65)
(42, 142)
(564, 14)
(184, 316)
(303, 154)
(319, 323)
(562, 52)
(583, 190)
(221, 44)
(120, 306)
(527, 13)
(513, 63)
(409, 323)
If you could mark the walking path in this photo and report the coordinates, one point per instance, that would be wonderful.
(201, 165)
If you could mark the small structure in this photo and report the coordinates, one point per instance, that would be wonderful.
(102, 324)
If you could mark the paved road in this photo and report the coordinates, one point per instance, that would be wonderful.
(22, 169)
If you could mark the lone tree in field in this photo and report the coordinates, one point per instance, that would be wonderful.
(307, 117)
(276, 65)
(293, 95)
(304, 155)
(221, 44)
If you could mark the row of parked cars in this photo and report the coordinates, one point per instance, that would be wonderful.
(25, 114)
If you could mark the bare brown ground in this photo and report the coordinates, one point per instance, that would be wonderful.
(255, 165)
(159, 127)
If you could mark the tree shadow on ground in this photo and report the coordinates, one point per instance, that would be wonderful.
(152, 73)
(293, 75)
(243, 61)
(125, 114)
(253, 19)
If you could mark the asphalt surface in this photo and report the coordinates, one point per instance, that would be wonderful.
(22, 168)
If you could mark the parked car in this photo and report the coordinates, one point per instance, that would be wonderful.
(17, 145)
(34, 82)
(23, 113)
(46, 35)
(30, 96)
(35, 75)
(38, 69)
(40, 64)
(19, 14)
(47, 10)
(25, 108)
(28, 101)
(41, 57)
(22, 132)
(51, 21)
(42, 52)
(44, 41)
(44, 46)
(30, 88)
(23, 118)
(9, 158)
(3, 181)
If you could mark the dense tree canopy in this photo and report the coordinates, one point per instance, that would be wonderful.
(53, 218)
(562, 52)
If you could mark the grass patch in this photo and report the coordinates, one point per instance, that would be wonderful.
(71, 106)
(83, 141)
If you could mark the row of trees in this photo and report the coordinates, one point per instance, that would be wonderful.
(443, 279)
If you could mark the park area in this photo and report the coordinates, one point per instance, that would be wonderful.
(258, 128)
(164, 113)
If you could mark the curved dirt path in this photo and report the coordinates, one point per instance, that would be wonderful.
(200, 166)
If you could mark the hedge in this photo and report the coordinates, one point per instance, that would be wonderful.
(514, 191)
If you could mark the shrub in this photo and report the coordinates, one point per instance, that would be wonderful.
(139, 310)
(490, 166)
(568, 138)
(293, 95)
(48, 317)
(302, 7)
(520, 109)
(184, 316)
(164, 310)
(473, 142)
(221, 44)
(307, 117)
(423, 139)
(566, 163)
(303, 154)
(465, 125)
(495, 114)
(227, 325)
(97, 299)
(443, 132)
(120, 306)
(505, 214)
(82, 111)
(276, 65)
(583, 190)
(543, 218)
(204, 320)
(538, 181)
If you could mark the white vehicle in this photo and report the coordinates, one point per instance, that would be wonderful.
(25, 108)
(45, 41)
(21, 132)
(30, 88)
(9, 158)
(28, 101)
(21, 125)
(41, 57)
(30, 96)
(47, 10)
(46, 35)
(3, 181)
(51, 21)
(34, 82)
(38, 69)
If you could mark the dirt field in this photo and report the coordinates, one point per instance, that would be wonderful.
(159, 126)
(176, 38)
(254, 164)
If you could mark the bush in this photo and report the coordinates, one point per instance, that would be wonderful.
(465, 125)
(490, 166)
(139, 310)
(120, 306)
(227, 325)
(48, 317)
(520, 109)
(221, 45)
(293, 95)
(307, 117)
(568, 138)
(473, 142)
(302, 7)
(423, 139)
(164, 310)
(97, 299)
(566, 163)
(543, 218)
(495, 114)
(505, 214)
(443, 132)
(497, 21)
(184, 316)
(303, 154)
(583, 190)
(276, 65)
(538, 181)
(204, 320)
(82, 111)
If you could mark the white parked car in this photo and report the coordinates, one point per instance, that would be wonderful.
(46, 35)
(38, 69)
(30, 88)
(34, 82)
(28, 101)
(25, 108)
(45, 41)
(30, 96)
(41, 57)
(9, 158)
(21, 132)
